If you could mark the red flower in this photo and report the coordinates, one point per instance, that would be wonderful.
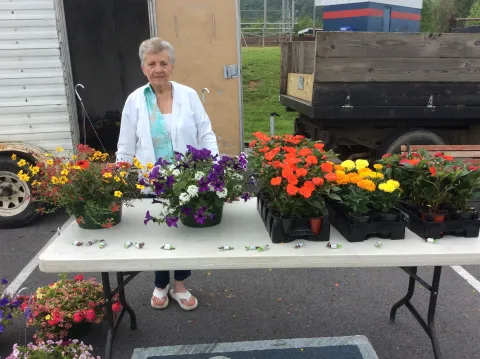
(386, 155)
(116, 307)
(78, 278)
(276, 181)
(78, 317)
(123, 165)
(432, 170)
(412, 162)
(311, 160)
(448, 158)
(90, 315)
(331, 177)
(84, 164)
(438, 154)
(473, 168)
(318, 181)
(326, 167)
(252, 143)
(319, 146)
(115, 208)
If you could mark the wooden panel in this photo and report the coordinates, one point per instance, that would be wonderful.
(300, 86)
(204, 35)
(303, 57)
(396, 94)
(397, 45)
(467, 153)
(286, 64)
(397, 70)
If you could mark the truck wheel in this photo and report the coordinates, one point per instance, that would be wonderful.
(16, 207)
(410, 137)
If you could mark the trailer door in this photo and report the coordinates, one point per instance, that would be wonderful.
(205, 35)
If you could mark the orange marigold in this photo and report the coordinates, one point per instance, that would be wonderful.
(339, 168)
(305, 192)
(367, 185)
(354, 177)
(341, 177)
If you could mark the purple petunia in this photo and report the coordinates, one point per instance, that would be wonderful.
(159, 188)
(148, 218)
(200, 218)
(4, 281)
(186, 211)
(2, 328)
(154, 173)
(170, 181)
(171, 221)
(245, 196)
(203, 185)
(161, 162)
(4, 301)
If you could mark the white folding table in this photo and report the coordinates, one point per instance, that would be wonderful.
(198, 249)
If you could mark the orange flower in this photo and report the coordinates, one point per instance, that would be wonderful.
(341, 177)
(264, 149)
(331, 177)
(84, 164)
(367, 184)
(432, 170)
(319, 146)
(305, 152)
(311, 160)
(339, 168)
(301, 172)
(292, 190)
(318, 181)
(354, 177)
(271, 154)
(287, 172)
(252, 143)
(277, 164)
(291, 150)
(276, 181)
(309, 185)
(261, 136)
(292, 180)
(448, 158)
(327, 167)
(305, 192)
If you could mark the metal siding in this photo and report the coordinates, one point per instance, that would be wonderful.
(417, 4)
(33, 101)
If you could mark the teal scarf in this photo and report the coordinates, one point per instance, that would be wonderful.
(162, 142)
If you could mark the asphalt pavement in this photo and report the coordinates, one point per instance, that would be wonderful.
(246, 305)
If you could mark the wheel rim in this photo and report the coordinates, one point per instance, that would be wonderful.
(14, 194)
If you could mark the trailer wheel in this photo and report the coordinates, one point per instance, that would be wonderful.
(16, 207)
(417, 136)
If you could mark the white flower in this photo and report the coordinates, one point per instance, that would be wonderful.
(211, 188)
(238, 176)
(165, 201)
(223, 193)
(176, 173)
(184, 198)
(192, 191)
(171, 167)
(238, 188)
(199, 175)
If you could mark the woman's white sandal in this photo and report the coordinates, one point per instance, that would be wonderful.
(160, 294)
(183, 296)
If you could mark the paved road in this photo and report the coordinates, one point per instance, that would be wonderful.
(262, 304)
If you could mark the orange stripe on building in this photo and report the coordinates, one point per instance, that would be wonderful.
(342, 14)
(405, 16)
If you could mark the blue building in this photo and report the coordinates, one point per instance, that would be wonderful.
(377, 16)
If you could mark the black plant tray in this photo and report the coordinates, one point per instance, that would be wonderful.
(359, 232)
(300, 228)
(459, 228)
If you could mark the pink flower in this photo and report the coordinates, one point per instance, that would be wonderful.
(78, 278)
(90, 315)
(77, 317)
(116, 307)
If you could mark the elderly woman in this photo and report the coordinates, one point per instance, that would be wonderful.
(159, 119)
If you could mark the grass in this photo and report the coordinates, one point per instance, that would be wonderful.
(261, 90)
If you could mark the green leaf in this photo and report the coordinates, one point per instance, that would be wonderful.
(334, 196)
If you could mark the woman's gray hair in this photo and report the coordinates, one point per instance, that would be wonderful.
(156, 45)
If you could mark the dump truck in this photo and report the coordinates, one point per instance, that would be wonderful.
(367, 93)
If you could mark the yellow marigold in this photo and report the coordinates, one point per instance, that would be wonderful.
(23, 176)
(348, 165)
(118, 194)
(54, 180)
(386, 187)
(49, 162)
(22, 163)
(354, 177)
(367, 185)
(77, 167)
(48, 317)
(396, 184)
(339, 168)
(377, 166)
(359, 164)
(364, 170)
(372, 174)
(107, 175)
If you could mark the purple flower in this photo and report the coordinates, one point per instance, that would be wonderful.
(178, 156)
(143, 182)
(161, 162)
(148, 218)
(4, 302)
(28, 312)
(199, 155)
(200, 218)
(4, 281)
(1, 314)
(203, 185)
(213, 216)
(245, 196)
(154, 173)
(218, 186)
(170, 181)
(2, 328)
(16, 303)
(171, 221)
(9, 316)
(186, 211)
(159, 188)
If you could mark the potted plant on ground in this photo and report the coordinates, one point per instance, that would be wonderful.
(71, 349)
(86, 185)
(10, 306)
(66, 308)
(194, 187)
(295, 176)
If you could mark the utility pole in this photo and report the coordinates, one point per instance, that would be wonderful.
(293, 19)
(314, 15)
(264, 20)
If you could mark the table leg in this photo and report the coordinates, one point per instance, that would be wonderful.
(428, 326)
(107, 294)
(123, 301)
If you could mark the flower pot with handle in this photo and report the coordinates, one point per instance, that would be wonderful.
(110, 215)
(214, 219)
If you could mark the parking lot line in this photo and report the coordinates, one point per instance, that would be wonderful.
(474, 282)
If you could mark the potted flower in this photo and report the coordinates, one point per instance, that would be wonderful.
(10, 306)
(194, 187)
(71, 349)
(295, 176)
(67, 308)
(86, 185)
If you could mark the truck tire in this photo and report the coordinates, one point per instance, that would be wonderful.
(414, 136)
(16, 207)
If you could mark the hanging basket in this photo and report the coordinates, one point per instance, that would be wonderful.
(216, 210)
(85, 221)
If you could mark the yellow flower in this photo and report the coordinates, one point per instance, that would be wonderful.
(76, 167)
(63, 180)
(49, 162)
(123, 174)
(34, 170)
(377, 166)
(14, 157)
(118, 194)
(74, 157)
(139, 186)
(48, 317)
(339, 168)
(386, 187)
(35, 183)
(137, 163)
(107, 175)
(48, 154)
(396, 184)
(149, 165)
(23, 176)
(40, 296)
(359, 164)
(54, 180)
(341, 177)
(22, 163)
(348, 165)
(59, 149)
(64, 172)
(117, 179)
(367, 185)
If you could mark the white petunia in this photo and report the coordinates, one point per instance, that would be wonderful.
(223, 193)
(211, 188)
(184, 198)
(238, 188)
(176, 173)
(199, 175)
(192, 191)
